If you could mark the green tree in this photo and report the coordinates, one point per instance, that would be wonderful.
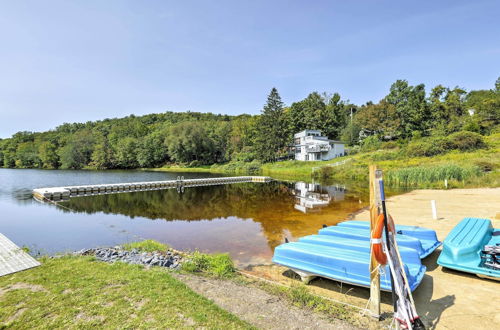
(102, 154)
(378, 119)
(188, 141)
(77, 152)
(152, 150)
(27, 155)
(47, 152)
(411, 107)
(272, 132)
(126, 153)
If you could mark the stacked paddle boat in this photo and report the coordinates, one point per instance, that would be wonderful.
(473, 246)
(342, 253)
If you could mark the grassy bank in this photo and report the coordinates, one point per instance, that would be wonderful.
(477, 168)
(77, 292)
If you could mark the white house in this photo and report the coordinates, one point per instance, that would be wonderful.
(310, 146)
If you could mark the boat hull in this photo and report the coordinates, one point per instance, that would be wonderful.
(463, 245)
(340, 264)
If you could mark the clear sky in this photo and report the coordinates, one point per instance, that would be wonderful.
(67, 61)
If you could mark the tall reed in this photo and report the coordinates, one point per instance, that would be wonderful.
(418, 175)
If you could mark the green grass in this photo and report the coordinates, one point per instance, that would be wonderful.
(300, 296)
(217, 265)
(148, 245)
(79, 292)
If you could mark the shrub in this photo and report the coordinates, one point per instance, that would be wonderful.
(485, 166)
(389, 145)
(254, 167)
(371, 143)
(465, 141)
(428, 147)
(384, 155)
(195, 163)
(218, 265)
(353, 150)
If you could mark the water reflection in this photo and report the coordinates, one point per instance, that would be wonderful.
(310, 197)
(272, 206)
(247, 220)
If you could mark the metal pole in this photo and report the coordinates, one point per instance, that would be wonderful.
(384, 210)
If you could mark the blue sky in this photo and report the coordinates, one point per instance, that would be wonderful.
(67, 61)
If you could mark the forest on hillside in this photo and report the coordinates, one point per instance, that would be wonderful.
(407, 115)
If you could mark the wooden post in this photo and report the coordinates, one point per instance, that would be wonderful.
(374, 273)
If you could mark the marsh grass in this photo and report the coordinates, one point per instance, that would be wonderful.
(218, 265)
(78, 292)
(148, 245)
(422, 175)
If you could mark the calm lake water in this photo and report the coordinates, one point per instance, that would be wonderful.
(247, 220)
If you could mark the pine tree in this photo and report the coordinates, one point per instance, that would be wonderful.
(272, 134)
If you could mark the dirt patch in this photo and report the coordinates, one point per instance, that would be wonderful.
(22, 286)
(187, 320)
(16, 315)
(258, 307)
(137, 304)
(86, 318)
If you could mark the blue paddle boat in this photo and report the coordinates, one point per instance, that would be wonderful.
(427, 236)
(473, 246)
(342, 264)
(364, 235)
(342, 253)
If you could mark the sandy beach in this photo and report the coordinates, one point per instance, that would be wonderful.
(446, 299)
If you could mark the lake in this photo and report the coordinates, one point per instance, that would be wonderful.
(247, 220)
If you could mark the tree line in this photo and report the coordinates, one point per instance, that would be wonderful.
(406, 113)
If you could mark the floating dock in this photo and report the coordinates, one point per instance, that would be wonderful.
(61, 193)
(13, 259)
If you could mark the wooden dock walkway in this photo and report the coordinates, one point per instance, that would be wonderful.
(13, 258)
(59, 193)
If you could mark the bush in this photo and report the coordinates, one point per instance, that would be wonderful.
(389, 145)
(485, 166)
(253, 167)
(428, 147)
(384, 155)
(195, 163)
(353, 150)
(218, 265)
(466, 141)
(371, 143)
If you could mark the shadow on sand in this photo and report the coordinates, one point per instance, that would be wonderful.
(429, 310)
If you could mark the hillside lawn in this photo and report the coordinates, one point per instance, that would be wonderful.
(79, 292)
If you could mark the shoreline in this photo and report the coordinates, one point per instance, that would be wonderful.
(445, 298)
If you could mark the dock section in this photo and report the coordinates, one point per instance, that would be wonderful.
(13, 259)
(62, 193)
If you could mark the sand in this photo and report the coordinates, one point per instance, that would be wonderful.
(445, 299)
